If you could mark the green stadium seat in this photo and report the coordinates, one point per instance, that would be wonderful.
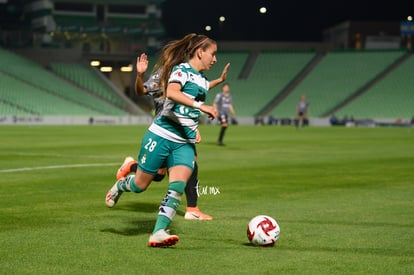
(335, 78)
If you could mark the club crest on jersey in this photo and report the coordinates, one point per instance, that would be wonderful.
(144, 158)
(178, 73)
(192, 77)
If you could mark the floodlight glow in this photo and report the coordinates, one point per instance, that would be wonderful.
(95, 63)
(126, 69)
(262, 10)
(106, 69)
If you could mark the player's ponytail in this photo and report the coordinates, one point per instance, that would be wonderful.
(179, 51)
(174, 53)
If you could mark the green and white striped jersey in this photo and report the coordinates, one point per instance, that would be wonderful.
(177, 122)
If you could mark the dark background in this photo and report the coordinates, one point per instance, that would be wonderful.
(289, 20)
(285, 20)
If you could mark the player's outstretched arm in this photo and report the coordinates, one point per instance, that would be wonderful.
(142, 66)
(222, 78)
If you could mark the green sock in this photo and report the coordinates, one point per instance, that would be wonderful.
(169, 205)
(128, 185)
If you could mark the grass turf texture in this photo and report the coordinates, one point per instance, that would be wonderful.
(343, 198)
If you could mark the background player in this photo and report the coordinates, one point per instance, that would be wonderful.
(302, 110)
(223, 102)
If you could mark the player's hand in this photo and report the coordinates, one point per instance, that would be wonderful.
(198, 136)
(223, 75)
(209, 110)
(142, 64)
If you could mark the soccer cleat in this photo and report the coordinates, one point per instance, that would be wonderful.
(125, 168)
(194, 213)
(112, 196)
(162, 238)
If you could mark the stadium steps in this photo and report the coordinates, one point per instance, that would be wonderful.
(267, 76)
(86, 78)
(72, 104)
(387, 71)
(31, 73)
(25, 97)
(9, 108)
(388, 97)
(290, 86)
(336, 77)
(249, 65)
(271, 73)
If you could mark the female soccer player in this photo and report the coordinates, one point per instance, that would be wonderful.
(171, 137)
(151, 88)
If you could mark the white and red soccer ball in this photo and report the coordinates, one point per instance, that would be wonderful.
(263, 230)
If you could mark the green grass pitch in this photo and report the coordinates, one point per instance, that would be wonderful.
(343, 197)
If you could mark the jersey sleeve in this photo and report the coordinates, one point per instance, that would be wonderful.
(178, 75)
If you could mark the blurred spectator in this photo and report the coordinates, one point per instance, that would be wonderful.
(271, 120)
(258, 120)
(334, 120)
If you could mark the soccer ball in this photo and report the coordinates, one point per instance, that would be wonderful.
(263, 230)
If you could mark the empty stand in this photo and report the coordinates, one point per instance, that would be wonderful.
(272, 71)
(31, 76)
(391, 97)
(22, 98)
(336, 78)
(363, 84)
(86, 77)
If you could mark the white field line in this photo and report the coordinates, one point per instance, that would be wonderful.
(57, 167)
(60, 155)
